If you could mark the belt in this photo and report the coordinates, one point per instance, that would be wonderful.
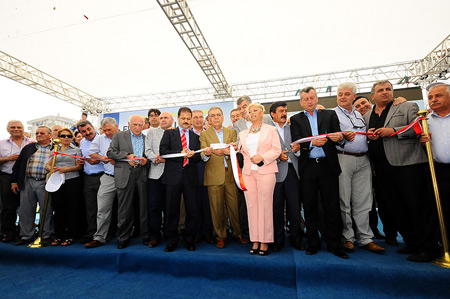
(111, 175)
(353, 154)
(318, 160)
(137, 165)
(95, 174)
(35, 178)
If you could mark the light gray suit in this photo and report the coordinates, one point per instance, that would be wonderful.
(128, 179)
(152, 142)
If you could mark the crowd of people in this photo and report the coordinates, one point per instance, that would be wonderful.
(151, 180)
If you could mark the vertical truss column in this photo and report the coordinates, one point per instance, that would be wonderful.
(179, 14)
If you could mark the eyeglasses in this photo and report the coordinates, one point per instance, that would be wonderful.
(41, 133)
(65, 136)
(356, 118)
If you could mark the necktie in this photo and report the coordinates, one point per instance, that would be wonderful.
(184, 145)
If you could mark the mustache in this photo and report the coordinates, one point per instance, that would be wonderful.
(434, 103)
(284, 116)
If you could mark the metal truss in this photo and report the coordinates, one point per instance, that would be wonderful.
(24, 73)
(179, 14)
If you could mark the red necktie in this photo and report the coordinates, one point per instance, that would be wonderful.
(184, 145)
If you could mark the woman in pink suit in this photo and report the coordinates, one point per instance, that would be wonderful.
(260, 146)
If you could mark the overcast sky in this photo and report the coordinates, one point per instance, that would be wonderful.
(117, 48)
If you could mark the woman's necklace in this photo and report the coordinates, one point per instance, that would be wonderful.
(254, 131)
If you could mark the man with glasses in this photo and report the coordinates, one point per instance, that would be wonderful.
(355, 188)
(28, 178)
(9, 152)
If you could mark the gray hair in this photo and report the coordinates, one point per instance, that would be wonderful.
(347, 85)
(45, 127)
(441, 84)
(372, 91)
(13, 121)
(244, 98)
(215, 108)
(108, 120)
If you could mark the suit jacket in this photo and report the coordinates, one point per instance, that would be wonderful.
(403, 149)
(173, 170)
(286, 144)
(215, 166)
(120, 148)
(268, 146)
(241, 124)
(328, 122)
(152, 141)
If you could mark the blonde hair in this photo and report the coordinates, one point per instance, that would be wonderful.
(258, 105)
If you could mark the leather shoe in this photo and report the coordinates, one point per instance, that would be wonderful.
(86, 239)
(241, 239)
(153, 243)
(8, 239)
(123, 244)
(94, 244)
(424, 257)
(378, 235)
(348, 246)
(407, 250)
(220, 244)
(170, 247)
(190, 246)
(22, 242)
(339, 253)
(373, 247)
(298, 245)
(311, 251)
(391, 241)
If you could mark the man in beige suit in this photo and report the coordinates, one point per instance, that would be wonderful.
(219, 177)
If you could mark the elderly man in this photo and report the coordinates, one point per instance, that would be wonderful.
(130, 177)
(181, 177)
(156, 190)
(107, 191)
(319, 171)
(355, 188)
(9, 152)
(401, 174)
(287, 187)
(439, 126)
(55, 130)
(219, 177)
(93, 171)
(28, 177)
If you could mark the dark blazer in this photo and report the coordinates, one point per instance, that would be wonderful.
(20, 166)
(328, 122)
(171, 144)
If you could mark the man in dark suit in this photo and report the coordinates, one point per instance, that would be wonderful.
(319, 171)
(181, 176)
(130, 177)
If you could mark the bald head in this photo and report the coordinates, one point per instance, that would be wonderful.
(136, 124)
(165, 120)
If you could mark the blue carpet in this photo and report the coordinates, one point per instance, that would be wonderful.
(77, 272)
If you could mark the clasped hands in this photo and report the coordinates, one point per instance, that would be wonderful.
(335, 137)
(135, 160)
(219, 152)
(381, 132)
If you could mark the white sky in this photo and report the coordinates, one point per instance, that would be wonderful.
(130, 47)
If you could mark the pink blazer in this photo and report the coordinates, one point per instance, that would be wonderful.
(268, 146)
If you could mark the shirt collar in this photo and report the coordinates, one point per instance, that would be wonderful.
(140, 135)
(434, 114)
(307, 113)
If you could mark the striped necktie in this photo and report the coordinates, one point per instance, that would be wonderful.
(184, 145)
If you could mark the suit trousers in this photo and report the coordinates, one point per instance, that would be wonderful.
(443, 179)
(156, 198)
(259, 198)
(10, 202)
(91, 184)
(287, 192)
(34, 192)
(125, 198)
(218, 196)
(105, 200)
(355, 194)
(173, 198)
(317, 177)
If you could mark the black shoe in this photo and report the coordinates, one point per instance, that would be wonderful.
(190, 246)
(22, 242)
(407, 250)
(391, 241)
(298, 245)
(311, 250)
(8, 238)
(339, 253)
(123, 244)
(145, 241)
(170, 247)
(263, 252)
(378, 235)
(86, 239)
(424, 257)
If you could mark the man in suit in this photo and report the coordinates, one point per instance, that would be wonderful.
(156, 190)
(219, 177)
(287, 186)
(130, 177)
(401, 174)
(319, 171)
(181, 176)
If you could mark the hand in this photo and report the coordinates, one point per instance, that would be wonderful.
(219, 152)
(295, 147)
(92, 162)
(226, 151)
(372, 137)
(80, 161)
(398, 101)
(384, 132)
(12, 157)
(142, 161)
(424, 138)
(319, 142)
(234, 145)
(256, 159)
(189, 154)
(284, 156)
(132, 162)
(208, 151)
(15, 188)
(335, 137)
(350, 136)
(106, 160)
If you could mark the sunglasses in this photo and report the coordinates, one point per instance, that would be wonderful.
(65, 136)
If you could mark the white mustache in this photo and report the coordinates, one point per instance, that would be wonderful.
(434, 103)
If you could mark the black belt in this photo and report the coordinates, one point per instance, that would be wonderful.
(111, 175)
(95, 174)
(29, 177)
(318, 160)
(352, 154)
